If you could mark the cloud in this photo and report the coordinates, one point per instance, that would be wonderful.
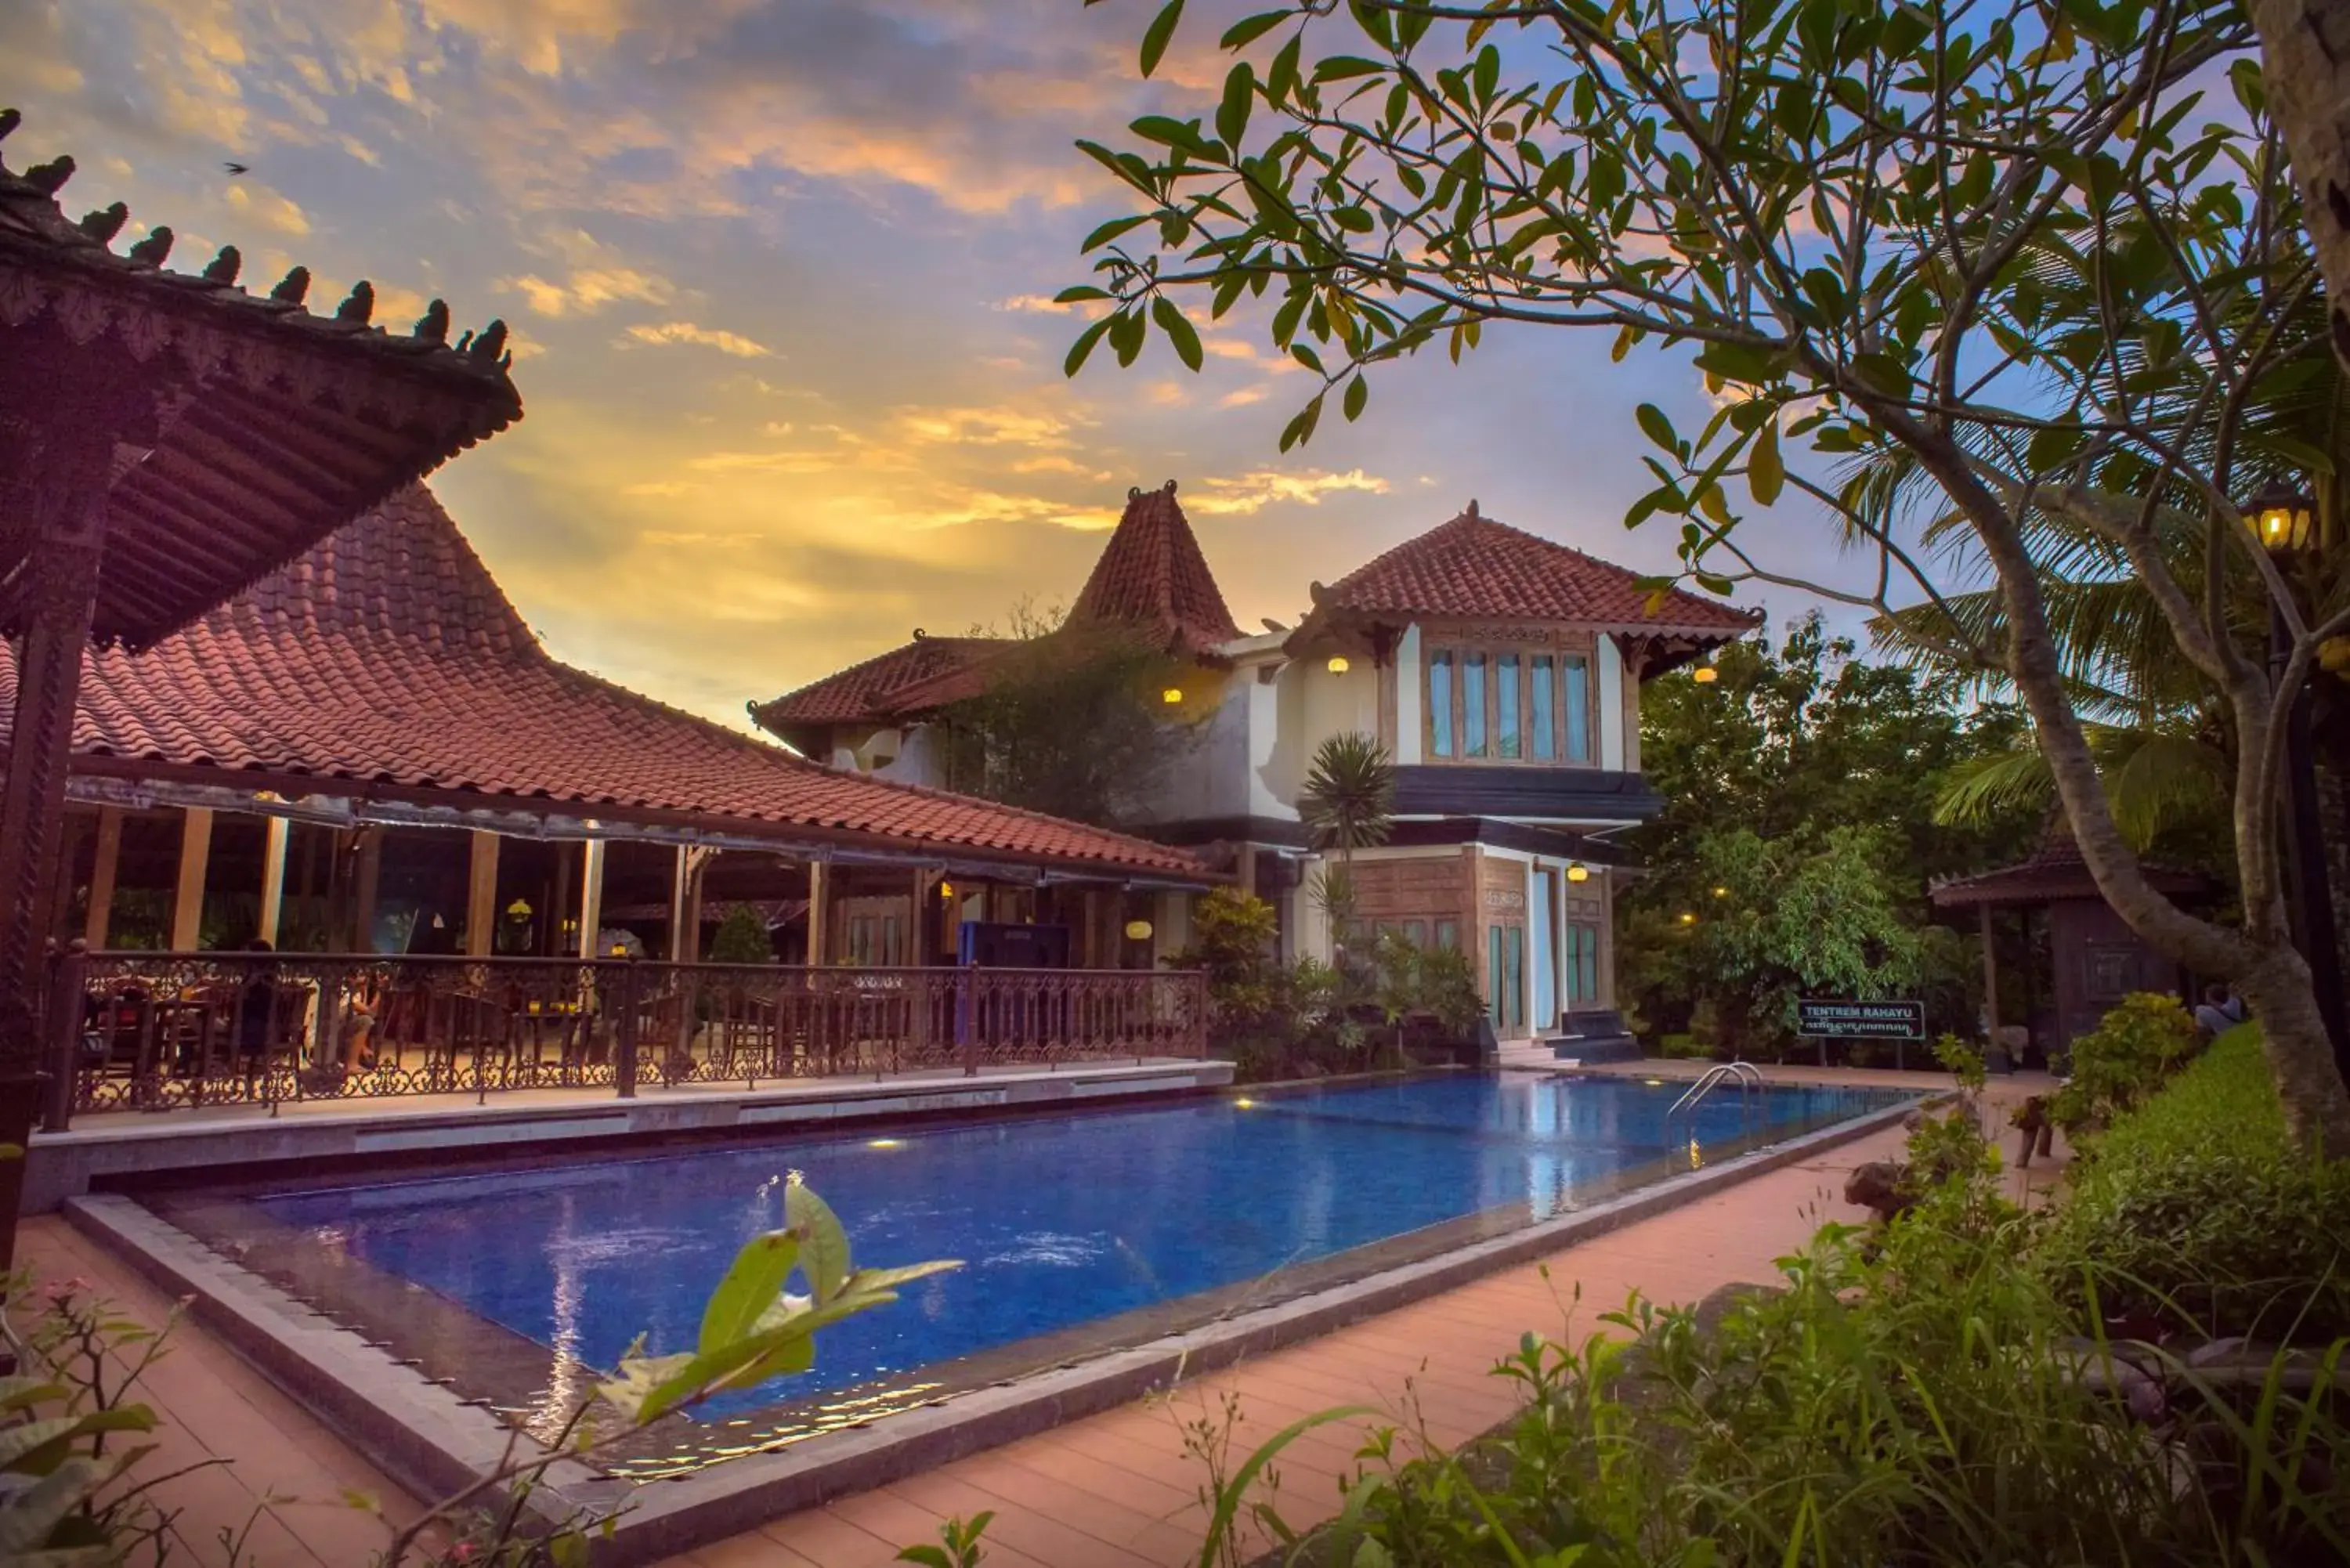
(260, 205)
(725, 342)
(1253, 491)
(984, 426)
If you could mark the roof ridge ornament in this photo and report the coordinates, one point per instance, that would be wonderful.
(1471, 512)
(359, 304)
(50, 178)
(293, 287)
(106, 222)
(491, 343)
(223, 267)
(9, 121)
(432, 327)
(155, 248)
(1168, 487)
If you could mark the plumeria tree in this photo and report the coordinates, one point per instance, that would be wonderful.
(2020, 267)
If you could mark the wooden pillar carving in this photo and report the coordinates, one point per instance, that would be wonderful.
(56, 583)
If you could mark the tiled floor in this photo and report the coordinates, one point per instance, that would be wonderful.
(1112, 1491)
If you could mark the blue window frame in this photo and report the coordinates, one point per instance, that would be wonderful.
(1473, 705)
(1505, 705)
(1576, 674)
(1542, 694)
(1439, 705)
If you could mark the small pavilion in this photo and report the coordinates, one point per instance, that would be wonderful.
(166, 439)
(2095, 958)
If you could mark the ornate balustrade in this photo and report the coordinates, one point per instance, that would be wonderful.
(142, 1030)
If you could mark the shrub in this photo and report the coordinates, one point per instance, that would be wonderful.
(2135, 1047)
(2193, 1212)
(742, 938)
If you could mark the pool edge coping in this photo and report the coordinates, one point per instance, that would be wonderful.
(430, 1441)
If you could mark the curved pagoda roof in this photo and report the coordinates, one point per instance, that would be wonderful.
(249, 426)
(2055, 872)
(387, 665)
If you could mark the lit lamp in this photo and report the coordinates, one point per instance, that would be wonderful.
(1137, 930)
(1576, 871)
(1705, 674)
(2285, 519)
(1688, 919)
(1338, 665)
(1171, 696)
(1721, 892)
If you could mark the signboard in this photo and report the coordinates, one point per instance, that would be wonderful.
(1827, 1018)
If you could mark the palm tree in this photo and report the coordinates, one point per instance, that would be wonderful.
(1348, 802)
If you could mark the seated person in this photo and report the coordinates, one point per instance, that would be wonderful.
(2222, 1011)
(358, 1028)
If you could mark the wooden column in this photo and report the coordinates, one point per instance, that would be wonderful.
(57, 587)
(367, 880)
(685, 904)
(819, 925)
(591, 898)
(1990, 975)
(921, 934)
(188, 895)
(103, 866)
(277, 830)
(482, 895)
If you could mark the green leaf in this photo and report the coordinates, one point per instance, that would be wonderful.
(1358, 392)
(1657, 427)
(1301, 428)
(1232, 114)
(750, 1287)
(29, 1516)
(1343, 67)
(1169, 131)
(1765, 473)
(1111, 230)
(1180, 332)
(16, 1393)
(2051, 445)
(1249, 29)
(1160, 32)
(823, 1245)
(1084, 345)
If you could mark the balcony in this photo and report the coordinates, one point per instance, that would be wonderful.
(1524, 791)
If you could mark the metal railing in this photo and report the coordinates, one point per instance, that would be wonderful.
(1745, 1075)
(142, 1030)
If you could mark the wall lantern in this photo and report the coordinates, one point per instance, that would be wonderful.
(1688, 919)
(1338, 665)
(1137, 930)
(946, 889)
(1721, 892)
(519, 909)
(1705, 675)
(1577, 871)
(2284, 518)
(1171, 696)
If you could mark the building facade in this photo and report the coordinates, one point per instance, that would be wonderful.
(1500, 671)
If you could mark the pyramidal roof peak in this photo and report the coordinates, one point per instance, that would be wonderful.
(1152, 574)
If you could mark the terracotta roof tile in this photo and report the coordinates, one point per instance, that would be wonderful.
(1474, 568)
(389, 655)
(1151, 574)
(874, 689)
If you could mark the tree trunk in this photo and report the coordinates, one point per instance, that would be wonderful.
(2300, 1052)
(2305, 60)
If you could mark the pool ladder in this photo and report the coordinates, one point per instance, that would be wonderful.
(1745, 1075)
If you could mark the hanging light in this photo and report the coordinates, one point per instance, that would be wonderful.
(1338, 665)
(1576, 871)
(1705, 674)
(2283, 518)
(1137, 930)
(946, 889)
(1171, 696)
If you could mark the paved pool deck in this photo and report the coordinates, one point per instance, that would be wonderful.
(1114, 1490)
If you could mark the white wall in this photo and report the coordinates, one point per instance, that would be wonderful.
(1411, 695)
(1607, 697)
(1207, 774)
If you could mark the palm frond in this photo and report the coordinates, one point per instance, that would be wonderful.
(1983, 789)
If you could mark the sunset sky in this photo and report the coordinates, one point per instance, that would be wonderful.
(777, 271)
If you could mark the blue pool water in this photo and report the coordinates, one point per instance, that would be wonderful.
(1061, 1221)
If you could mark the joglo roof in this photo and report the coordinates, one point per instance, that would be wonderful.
(387, 662)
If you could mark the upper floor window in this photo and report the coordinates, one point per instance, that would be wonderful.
(1508, 704)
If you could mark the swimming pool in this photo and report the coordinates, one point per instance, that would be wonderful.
(1065, 1222)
